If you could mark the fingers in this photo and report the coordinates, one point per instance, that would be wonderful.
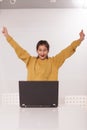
(5, 31)
(82, 30)
(82, 33)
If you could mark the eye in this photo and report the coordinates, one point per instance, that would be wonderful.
(40, 50)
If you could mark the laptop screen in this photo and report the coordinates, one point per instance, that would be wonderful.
(38, 93)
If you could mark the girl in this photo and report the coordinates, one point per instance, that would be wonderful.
(42, 67)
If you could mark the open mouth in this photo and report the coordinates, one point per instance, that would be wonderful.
(42, 55)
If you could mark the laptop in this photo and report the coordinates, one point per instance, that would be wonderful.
(38, 93)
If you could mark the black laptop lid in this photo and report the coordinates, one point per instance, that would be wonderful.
(38, 93)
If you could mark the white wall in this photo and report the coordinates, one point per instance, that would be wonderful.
(59, 27)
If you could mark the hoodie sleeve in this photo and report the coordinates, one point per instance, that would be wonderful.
(21, 53)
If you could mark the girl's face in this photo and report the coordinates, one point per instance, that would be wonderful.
(42, 52)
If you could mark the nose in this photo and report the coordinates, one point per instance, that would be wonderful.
(42, 53)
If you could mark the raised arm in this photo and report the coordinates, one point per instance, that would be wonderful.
(68, 51)
(21, 53)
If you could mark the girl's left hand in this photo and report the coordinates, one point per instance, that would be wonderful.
(82, 35)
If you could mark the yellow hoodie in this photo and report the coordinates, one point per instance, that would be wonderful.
(43, 70)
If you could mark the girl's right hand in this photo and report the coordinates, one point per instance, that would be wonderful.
(5, 31)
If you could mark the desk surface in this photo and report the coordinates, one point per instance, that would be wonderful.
(61, 118)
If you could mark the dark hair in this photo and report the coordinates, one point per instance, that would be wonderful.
(43, 42)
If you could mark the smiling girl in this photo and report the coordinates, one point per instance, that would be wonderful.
(42, 67)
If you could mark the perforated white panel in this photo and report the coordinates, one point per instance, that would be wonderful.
(79, 100)
(10, 98)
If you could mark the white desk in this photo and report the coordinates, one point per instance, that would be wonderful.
(62, 118)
